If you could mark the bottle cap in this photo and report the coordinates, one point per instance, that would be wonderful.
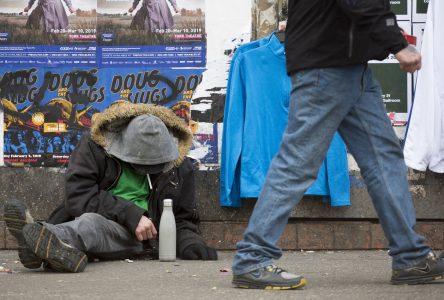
(167, 202)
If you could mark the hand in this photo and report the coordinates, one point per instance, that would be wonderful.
(26, 9)
(131, 9)
(145, 229)
(199, 251)
(72, 10)
(409, 59)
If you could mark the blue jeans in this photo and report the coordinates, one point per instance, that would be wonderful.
(323, 101)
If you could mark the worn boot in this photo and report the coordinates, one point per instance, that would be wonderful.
(16, 217)
(58, 254)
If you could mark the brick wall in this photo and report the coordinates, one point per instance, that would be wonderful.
(321, 235)
(314, 225)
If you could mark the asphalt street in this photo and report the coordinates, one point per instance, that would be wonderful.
(330, 275)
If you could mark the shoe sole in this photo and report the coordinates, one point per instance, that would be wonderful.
(16, 217)
(418, 280)
(50, 248)
(249, 285)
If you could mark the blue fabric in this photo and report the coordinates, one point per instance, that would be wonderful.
(230, 186)
(346, 99)
(256, 112)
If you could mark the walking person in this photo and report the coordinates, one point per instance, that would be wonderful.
(328, 45)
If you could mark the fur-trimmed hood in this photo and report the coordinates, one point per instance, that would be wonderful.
(116, 117)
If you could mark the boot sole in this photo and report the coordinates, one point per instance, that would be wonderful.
(261, 286)
(50, 248)
(16, 217)
(418, 280)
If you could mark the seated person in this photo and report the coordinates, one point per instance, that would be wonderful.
(116, 181)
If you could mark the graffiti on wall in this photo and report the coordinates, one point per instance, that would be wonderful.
(47, 110)
(45, 113)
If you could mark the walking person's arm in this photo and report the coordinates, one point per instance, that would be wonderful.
(409, 59)
(383, 29)
(379, 21)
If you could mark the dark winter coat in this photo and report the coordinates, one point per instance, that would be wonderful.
(92, 173)
(335, 33)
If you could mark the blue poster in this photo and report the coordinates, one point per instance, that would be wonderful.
(46, 110)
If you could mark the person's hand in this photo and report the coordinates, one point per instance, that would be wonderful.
(409, 59)
(199, 251)
(145, 229)
(131, 9)
(72, 10)
(26, 9)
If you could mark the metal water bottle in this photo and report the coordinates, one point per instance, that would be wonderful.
(167, 233)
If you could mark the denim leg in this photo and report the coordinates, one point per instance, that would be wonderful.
(320, 100)
(373, 143)
(95, 235)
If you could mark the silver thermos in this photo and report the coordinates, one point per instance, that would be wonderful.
(167, 233)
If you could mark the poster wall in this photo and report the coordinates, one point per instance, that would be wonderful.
(183, 65)
(205, 148)
(226, 31)
(46, 110)
(35, 34)
(1, 138)
(151, 33)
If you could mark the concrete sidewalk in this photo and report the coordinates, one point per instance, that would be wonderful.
(331, 275)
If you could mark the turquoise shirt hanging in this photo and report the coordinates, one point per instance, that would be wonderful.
(255, 118)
